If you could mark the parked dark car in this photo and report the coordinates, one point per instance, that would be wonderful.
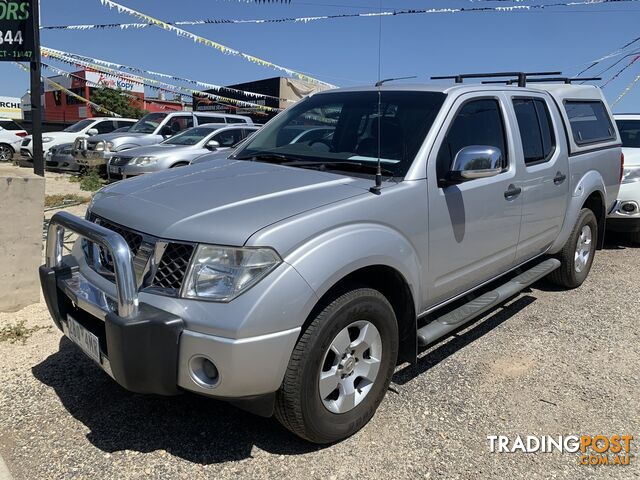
(60, 158)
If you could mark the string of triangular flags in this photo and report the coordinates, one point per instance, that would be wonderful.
(210, 43)
(388, 13)
(152, 83)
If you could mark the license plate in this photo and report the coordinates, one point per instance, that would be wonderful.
(114, 169)
(86, 340)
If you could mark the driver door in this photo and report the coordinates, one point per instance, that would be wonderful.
(473, 225)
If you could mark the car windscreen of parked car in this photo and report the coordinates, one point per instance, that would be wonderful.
(629, 132)
(192, 135)
(81, 125)
(362, 128)
(148, 123)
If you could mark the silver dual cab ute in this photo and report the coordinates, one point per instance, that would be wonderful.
(151, 129)
(292, 279)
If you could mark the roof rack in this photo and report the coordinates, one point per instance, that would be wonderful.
(565, 80)
(521, 77)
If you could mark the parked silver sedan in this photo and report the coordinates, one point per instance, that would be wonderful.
(178, 150)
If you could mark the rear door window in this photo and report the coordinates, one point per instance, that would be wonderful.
(590, 122)
(202, 119)
(536, 129)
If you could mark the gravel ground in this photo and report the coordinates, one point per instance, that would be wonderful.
(548, 362)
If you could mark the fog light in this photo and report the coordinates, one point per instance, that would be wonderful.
(629, 207)
(203, 371)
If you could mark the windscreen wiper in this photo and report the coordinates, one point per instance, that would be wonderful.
(269, 157)
(340, 165)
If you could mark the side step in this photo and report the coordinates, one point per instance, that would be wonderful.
(451, 321)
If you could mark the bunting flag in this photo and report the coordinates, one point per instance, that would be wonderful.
(210, 43)
(150, 22)
(626, 91)
(57, 86)
(154, 84)
(136, 70)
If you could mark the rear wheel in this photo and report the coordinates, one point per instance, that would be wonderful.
(6, 152)
(576, 256)
(340, 368)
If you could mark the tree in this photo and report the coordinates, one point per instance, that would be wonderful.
(116, 102)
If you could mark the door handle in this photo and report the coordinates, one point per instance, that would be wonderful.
(512, 192)
(559, 178)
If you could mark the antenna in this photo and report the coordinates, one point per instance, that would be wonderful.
(378, 185)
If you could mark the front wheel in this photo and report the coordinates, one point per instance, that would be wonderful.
(340, 368)
(576, 256)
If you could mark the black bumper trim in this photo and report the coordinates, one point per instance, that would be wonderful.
(142, 351)
(623, 225)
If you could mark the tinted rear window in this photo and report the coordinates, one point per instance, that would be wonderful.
(590, 122)
(629, 133)
(10, 125)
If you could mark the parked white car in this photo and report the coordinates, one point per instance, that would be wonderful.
(84, 128)
(11, 135)
(626, 216)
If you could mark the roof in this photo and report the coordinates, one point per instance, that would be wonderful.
(626, 116)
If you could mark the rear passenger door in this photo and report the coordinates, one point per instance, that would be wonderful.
(545, 177)
(474, 225)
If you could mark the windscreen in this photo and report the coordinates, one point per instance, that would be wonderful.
(148, 123)
(629, 132)
(81, 125)
(191, 136)
(351, 127)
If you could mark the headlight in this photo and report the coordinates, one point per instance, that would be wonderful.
(222, 273)
(109, 146)
(631, 174)
(141, 161)
(99, 146)
(47, 139)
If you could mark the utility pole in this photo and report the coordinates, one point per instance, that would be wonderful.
(36, 94)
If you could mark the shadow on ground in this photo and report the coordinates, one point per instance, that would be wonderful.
(188, 426)
(192, 427)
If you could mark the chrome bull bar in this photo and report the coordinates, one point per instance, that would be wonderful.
(125, 278)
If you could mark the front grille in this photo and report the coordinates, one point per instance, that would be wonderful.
(120, 161)
(133, 239)
(26, 142)
(173, 267)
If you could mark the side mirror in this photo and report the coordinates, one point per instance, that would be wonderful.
(213, 145)
(92, 131)
(475, 161)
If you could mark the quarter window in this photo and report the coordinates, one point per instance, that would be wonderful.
(590, 122)
(536, 129)
(479, 122)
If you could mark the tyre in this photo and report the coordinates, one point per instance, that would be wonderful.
(340, 368)
(577, 254)
(6, 152)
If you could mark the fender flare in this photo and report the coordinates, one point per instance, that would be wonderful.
(352, 248)
(590, 182)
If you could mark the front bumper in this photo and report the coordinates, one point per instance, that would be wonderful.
(625, 217)
(147, 349)
(91, 158)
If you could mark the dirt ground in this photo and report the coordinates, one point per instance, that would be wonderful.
(548, 362)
